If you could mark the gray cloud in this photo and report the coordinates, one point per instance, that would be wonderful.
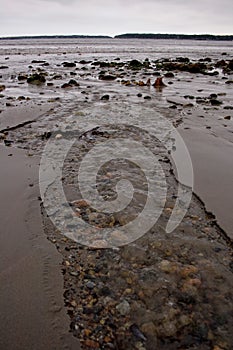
(115, 16)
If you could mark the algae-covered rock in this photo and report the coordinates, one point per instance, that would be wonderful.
(36, 79)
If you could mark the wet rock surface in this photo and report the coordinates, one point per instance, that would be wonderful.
(164, 290)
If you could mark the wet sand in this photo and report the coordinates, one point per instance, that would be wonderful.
(31, 284)
(213, 173)
(18, 115)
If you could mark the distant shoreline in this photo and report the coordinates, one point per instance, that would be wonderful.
(176, 36)
(201, 37)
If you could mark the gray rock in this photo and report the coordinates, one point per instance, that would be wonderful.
(123, 308)
(90, 285)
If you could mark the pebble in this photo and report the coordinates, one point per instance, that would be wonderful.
(105, 98)
(75, 274)
(91, 344)
(80, 203)
(188, 270)
(123, 308)
(137, 332)
(119, 237)
(149, 329)
(167, 266)
(168, 329)
(90, 285)
(99, 243)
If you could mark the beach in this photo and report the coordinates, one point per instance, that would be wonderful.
(154, 290)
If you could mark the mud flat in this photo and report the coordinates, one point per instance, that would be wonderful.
(213, 171)
(31, 286)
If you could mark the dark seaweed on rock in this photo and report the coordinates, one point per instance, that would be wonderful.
(36, 79)
(185, 67)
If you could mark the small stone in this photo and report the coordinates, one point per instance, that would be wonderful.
(213, 96)
(68, 64)
(105, 98)
(99, 244)
(119, 237)
(73, 303)
(2, 87)
(107, 339)
(123, 308)
(22, 77)
(87, 332)
(92, 344)
(80, 203)
(184, 320)
(21, 98)
(107, 77)
(188, 270)
(90, 285)
(73, 82)
(36, 79)
(58, 136)
(190, 286)
(167, 266)
(128, 291)
(169, 329)
(149, 329)
(75, 274)
(215, 102)
(137, 333)
(66, 85)
(140, 83)
(169, 75)
(139, 346)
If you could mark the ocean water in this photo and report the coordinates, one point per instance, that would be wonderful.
(121, 47)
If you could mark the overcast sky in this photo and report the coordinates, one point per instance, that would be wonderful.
(111, 17)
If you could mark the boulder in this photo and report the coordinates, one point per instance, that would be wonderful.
(230, 65)
(36, 79)
(22, 77)
(135, 64)
(107, 77)
(69, 64)
(105, 98)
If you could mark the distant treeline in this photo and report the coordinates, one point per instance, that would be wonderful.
(56, 37)
(176, 36)
(128, 36)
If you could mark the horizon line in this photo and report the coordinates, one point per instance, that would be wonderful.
(106, 35)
